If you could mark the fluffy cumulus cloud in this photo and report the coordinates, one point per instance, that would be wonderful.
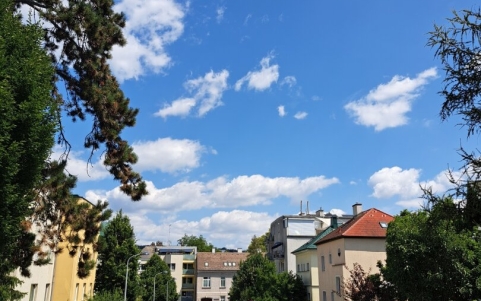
(300, 115)
(206, 94)
(262, 79)
(217, 193)
(231, 229)
(338, 212)
(405, 185)
(168, 155)
(220, 14)
(165, 155)
(386, 106)
(281, 110)
(150, 27)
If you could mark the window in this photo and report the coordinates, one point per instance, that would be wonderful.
(338, 285)
(171, 266)
(187, 280)
(222, 298)
(33, 292)
(324, 296)
(84, 288)
(188, 266)
(206, 264)
(298, 267)
(75, 297)
(332, 296)
(206, 282)
(309, 296)
(307, 266)
(383, 224)
(91, 290)
(47, 292)
(323, 264)
(330, 258)
(222, 281)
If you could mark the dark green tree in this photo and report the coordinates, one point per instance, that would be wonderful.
(157, 269)
(27, 128)
(257, 280)
(258, 244)
(116, 244)
(194, 241)
(431, 255)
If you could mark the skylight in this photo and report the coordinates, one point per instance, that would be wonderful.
(383, 224)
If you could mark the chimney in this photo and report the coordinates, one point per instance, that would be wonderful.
(307, 207)
(356, 209)
(334, 221)
(320, 212)
(301, 209)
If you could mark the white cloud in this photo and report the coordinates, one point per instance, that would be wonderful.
(168, 155)
(231, 229)
(289, 80)
(262, 79)
(405, 184)
(217, 193)
(220, 14)
(246, 20)
(207, 95)
(282, 111)
(83, 170)
(338, 212)
(150, 27)
(300, 115)
(386, 106)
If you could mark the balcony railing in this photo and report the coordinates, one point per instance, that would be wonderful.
(189, 257)
(187, 286)
(188, 272)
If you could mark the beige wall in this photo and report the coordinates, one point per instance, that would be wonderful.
(310, 277)
(67, 286)
(365, 251)
(215, 291)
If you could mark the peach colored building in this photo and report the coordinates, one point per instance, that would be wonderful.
(361, 240)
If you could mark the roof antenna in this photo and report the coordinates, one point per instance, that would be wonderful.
(301, 208)
(307, 208)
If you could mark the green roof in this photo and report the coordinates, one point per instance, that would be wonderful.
(311, 244)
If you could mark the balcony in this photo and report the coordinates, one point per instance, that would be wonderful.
(187, 286)
(188, 271)
(189, 257)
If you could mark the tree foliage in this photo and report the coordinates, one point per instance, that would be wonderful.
(194, 241)
(257, 280)
(80, 40)
(458, 46)
(258, 244)
(432, 255)
(157, 269)
(27, 128)
(116, 244)
(364, 286)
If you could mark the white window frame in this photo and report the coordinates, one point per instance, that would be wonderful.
(222, 282)
(206, 282)
(338, 285)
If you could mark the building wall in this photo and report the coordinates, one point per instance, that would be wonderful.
(215, 291)
(41, 278)
(310, 276)
(67, 286)
(365, 251)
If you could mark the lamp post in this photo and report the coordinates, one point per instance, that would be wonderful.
(163, 272)
(127, 275)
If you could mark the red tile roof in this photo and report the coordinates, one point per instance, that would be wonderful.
(365, 224)
(219, 261)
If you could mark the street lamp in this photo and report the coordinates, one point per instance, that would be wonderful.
(127, 272)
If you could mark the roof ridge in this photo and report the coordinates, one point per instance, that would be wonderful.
(357, 218)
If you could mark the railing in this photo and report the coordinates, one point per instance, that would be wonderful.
(187, 271)
(187, 286)
(189, 257)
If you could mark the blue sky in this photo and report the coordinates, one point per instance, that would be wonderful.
(249, 107)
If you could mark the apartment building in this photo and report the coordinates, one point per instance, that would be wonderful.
(215, 271)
